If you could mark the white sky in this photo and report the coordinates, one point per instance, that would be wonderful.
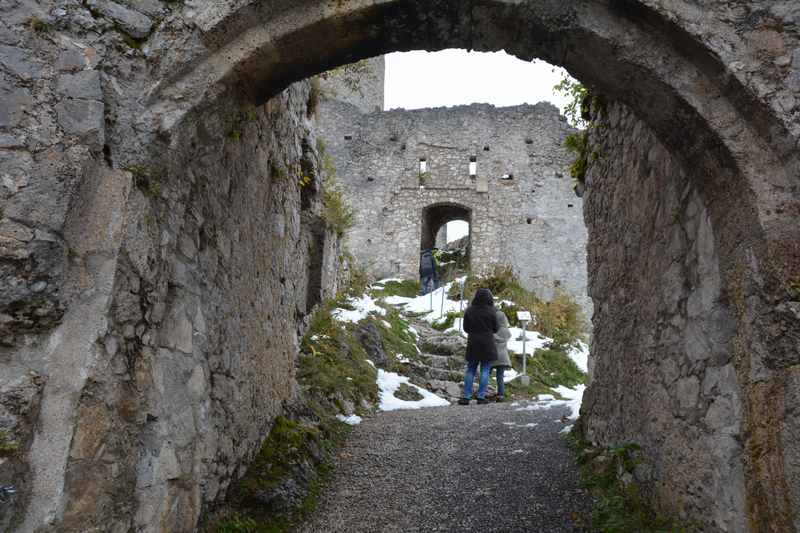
(457, 229)
(455, 77)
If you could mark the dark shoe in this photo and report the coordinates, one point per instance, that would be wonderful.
(482, 401)
(499, 399)
(463, 401)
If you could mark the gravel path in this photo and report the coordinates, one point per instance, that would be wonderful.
(453, 469)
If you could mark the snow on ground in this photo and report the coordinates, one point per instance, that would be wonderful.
(389, 382)
(572, 399)
(431, 304)
(352, 420)
(387, 280)
(533, 341)
(580, 356)
(362, 307)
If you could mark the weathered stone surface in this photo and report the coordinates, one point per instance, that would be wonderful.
(83, 118)
(369, 336)
(84, 84)
(132, 22)
(12, 107)
(18, 62)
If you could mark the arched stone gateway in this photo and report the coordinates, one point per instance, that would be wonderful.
(156, 239)
(434, 217)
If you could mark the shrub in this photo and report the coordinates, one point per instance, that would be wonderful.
(336, 213)
(560, 319)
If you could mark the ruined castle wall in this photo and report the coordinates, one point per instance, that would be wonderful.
(532, 221)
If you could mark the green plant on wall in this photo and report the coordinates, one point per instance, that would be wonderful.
(337, 214)
(576, 94)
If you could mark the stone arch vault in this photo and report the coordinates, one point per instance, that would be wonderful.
(693, 267)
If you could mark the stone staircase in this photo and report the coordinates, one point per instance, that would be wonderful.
(440, 366)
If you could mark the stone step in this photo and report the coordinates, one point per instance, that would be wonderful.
(440, 361)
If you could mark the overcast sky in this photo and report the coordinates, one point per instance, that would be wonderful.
(456, 77)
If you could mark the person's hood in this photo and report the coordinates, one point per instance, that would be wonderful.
(483, 297)
(502, 319)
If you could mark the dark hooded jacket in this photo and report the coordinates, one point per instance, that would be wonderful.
(480, 323)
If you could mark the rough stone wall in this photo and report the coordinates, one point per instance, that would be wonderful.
(364, 89)
(671, 349)
(153, 286)
(532, 222)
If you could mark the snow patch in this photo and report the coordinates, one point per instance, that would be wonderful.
(362, 307)
(572, 400)
(352, 420)
(389, 382)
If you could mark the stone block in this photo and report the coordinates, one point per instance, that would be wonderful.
(84, 118)
(84, 84)
(17, 61)
(12, 107)
(132, 22)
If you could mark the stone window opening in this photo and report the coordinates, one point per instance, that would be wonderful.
(473, 166)
(486, 148)
(423, 166)
(348, 137)
(528, 141)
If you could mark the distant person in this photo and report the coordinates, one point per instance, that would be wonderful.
(480, 323)
(503, 361)
(427, 272)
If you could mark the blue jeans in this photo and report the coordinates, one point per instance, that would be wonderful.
(501, 385)
(427, 281)
(469, 378)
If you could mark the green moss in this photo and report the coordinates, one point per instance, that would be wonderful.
(408, 393)
(234, 135)
(38, 25)
(287, 444)
(398, 341)
(8, 447)
(237, 524)
(407, 288)
(146, 180)
(447, 322)
(619, 506)
(333, 364)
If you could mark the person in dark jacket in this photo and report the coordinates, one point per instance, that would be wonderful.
(480, 323)
(427, 272)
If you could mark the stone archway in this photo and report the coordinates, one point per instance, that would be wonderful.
(703, 100)
(437, 215)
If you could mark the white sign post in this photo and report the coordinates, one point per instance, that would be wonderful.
(524, 317)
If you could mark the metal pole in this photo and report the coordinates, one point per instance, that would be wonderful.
(524, 379)
(460, 306)
(441, 307)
